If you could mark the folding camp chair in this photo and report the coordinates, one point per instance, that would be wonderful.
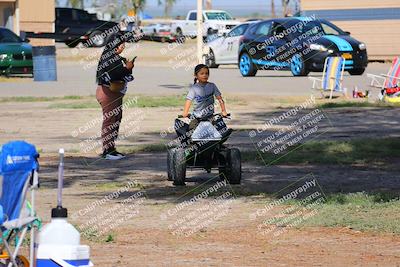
(332, 77)
(389, 80)
(18, 176)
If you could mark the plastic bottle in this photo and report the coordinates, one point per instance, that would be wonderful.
(59, 241)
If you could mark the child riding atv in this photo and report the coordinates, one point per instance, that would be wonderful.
(201, 140)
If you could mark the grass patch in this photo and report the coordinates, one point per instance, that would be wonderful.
(79, 105)
(160, 101)
(118, 185)
(38, 99)
(357, 151)
(158, 147)
(356, 104)
(369, 212)
(142, 102)
(359, 211)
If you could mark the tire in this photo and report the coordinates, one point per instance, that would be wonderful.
(234, 166)
(20, 260)
(210, 60)
(179, 165)
(97, 40)
(170, 164)
(72, 44)
(297, 66)
(179, 36)
(356, 71)
(246, 67)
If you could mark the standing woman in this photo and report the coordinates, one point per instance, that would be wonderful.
(113, 74)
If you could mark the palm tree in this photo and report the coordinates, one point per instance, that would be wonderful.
(285, 4)
(168, 4)
(138, 6)
(208, 4)
(273, 13)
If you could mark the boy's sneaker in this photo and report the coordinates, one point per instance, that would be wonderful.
(119, 154)
(112, 155)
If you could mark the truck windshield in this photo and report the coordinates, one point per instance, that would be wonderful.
(218, 16)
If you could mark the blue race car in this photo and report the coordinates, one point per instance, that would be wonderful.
(298, 44)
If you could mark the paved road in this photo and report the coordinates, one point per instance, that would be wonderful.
(73, 79)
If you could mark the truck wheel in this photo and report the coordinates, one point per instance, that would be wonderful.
(179, 165)
(170, 164)
(97, 39)
(246, 66)
(210, 60)
(179, 36)
(234, 166)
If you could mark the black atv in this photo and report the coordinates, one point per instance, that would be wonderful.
(203, 147)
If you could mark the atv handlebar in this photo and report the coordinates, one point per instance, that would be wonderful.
(228, 116)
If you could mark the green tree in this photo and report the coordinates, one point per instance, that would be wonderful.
(138, 6)
(76, 3)
(168, 4)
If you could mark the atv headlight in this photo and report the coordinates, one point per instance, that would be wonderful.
(3, 56)
(318, 47)
(362, 46)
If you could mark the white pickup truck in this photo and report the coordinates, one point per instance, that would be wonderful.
(215, 22)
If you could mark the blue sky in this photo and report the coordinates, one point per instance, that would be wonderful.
(235, 7)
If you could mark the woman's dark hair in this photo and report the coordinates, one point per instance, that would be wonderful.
(114, 41)
(197, 70)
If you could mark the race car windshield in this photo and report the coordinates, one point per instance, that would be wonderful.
(218, 16)
(319, 27)
(312, 28)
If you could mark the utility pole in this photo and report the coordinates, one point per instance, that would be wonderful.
(200, 31)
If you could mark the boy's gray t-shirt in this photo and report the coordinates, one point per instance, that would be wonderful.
(203, 99)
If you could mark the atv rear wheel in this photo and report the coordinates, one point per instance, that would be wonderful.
(233, 166)
(170, 164)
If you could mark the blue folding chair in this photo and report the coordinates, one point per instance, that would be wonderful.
(18, 176)
(332, 77)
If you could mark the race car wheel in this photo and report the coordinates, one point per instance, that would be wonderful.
(246, 66)
(297, 66)
(356, 71)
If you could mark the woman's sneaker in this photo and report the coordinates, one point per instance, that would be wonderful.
(112, 155)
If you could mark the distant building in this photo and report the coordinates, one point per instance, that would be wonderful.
(28, 15)
(375, 22)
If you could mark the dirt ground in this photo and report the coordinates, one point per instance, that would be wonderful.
(143, 230)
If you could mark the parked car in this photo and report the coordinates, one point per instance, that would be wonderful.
(215, 22)
(74, 26)
(77, 25)
(299, 44)
(156, 28)
(15, 54)
(224, 49)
